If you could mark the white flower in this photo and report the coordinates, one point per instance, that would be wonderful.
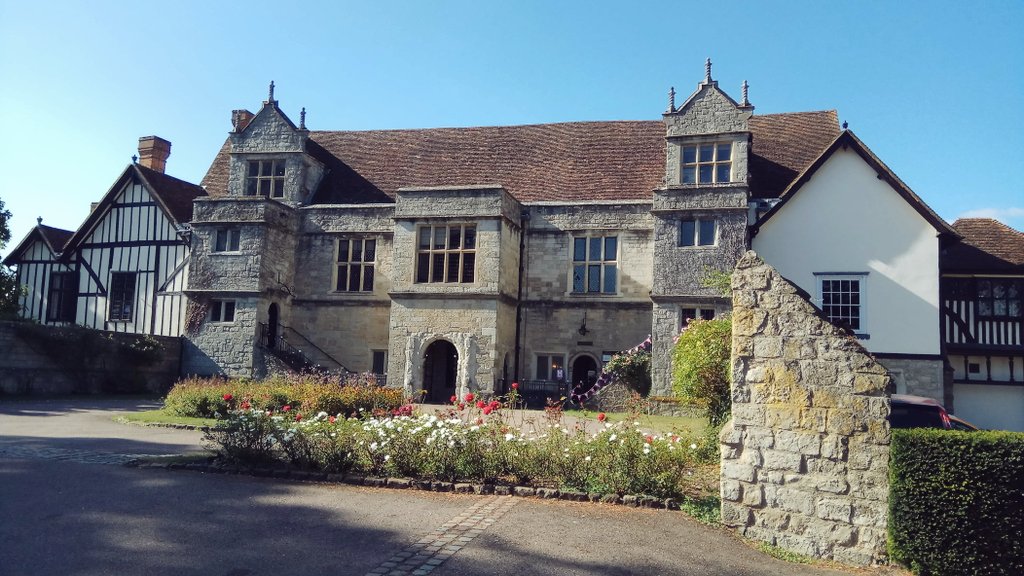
(587, 459)
(509, 436)
(693, 446)
(647, 448)
(613, 437)
(387, 457)
(373, 446)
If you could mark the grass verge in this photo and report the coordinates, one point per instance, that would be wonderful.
(160, 417)
(654, 422)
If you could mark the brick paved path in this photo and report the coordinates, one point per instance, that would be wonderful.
(68, 455)
(433, 549)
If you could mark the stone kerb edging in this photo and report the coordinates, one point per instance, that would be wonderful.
(805, 457)
(413, 483)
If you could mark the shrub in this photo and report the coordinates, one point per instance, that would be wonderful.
(467, 445)
(632, 368)
(956, 502)
(309, 393)
(700, 367)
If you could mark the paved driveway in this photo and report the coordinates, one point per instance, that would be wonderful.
(66, 507)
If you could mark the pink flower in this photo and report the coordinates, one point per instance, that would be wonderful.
(454, 399)
(462, 406)
(601, 417)
(515, 385)
(331, 419)
(481, 404)
(494, 404)
(298, 417)
(648, 438)
(227, 397)
(245, 405)
(469, 397)
(488, 410)
(286, 408)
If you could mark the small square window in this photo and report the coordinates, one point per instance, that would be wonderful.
(227, 240)
(222, 311)
(696, 232)
(707, 163)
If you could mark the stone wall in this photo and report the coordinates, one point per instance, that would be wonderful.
(805, 458)
(71, 360)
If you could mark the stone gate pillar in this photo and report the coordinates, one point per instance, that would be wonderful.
(805, 458)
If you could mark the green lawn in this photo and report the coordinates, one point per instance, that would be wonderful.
(162, 417)
(657, 423)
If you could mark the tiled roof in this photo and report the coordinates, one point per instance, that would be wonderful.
(575, 161)
(55, 237)
(784, 144)
(987, 246)
(177, 195)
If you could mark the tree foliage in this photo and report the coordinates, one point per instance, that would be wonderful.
(700, 366)
(8, 279)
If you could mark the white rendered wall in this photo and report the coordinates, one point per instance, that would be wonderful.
(845, 219)
(991, 407)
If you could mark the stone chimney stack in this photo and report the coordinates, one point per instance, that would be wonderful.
(240, 119)
(153, 152)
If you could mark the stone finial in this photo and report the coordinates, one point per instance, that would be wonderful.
(302, 119)
(39, 220)
(270, 98)
(707, 71)
(845, 124)
(672, 99)
(746, 101)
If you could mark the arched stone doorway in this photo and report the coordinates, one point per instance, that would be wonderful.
(584, 373)
(440, 371)
(272, 326)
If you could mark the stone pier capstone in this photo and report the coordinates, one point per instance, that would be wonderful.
(805, 457)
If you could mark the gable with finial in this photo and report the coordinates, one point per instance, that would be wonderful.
(270, 130)
(709, 110)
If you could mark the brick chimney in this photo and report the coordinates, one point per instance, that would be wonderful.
(240, 119)
(153, 152)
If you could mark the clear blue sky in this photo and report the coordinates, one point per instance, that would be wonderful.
(935, 88)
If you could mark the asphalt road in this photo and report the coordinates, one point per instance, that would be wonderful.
(68, 506)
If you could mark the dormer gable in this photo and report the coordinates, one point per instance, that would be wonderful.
(709, 110)
(708, 137)
(269, 157)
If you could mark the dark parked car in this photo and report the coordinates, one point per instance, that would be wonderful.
(961, 424)
(917, 412)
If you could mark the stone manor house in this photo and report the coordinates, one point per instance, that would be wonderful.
(458, 259)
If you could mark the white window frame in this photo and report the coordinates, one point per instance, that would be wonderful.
(861, 278)
(232, 240)
(700, 312)
(603, 263)
(697, 240)
(699, 162)
(223, 311)
(550, 361)
(361, 265)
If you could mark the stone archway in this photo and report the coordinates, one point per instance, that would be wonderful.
(584, 372)
(272, 326)
(440, 371)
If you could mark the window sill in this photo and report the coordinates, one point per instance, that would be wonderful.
(862, 336)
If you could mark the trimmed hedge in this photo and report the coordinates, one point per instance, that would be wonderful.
(309, 393)
(956, 504)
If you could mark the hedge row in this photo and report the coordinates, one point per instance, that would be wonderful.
(957, 501)
(310, 393)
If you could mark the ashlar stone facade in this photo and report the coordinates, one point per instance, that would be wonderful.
(805, 457)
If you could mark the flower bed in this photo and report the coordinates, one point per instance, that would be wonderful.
(312, 393)
(472, 442)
